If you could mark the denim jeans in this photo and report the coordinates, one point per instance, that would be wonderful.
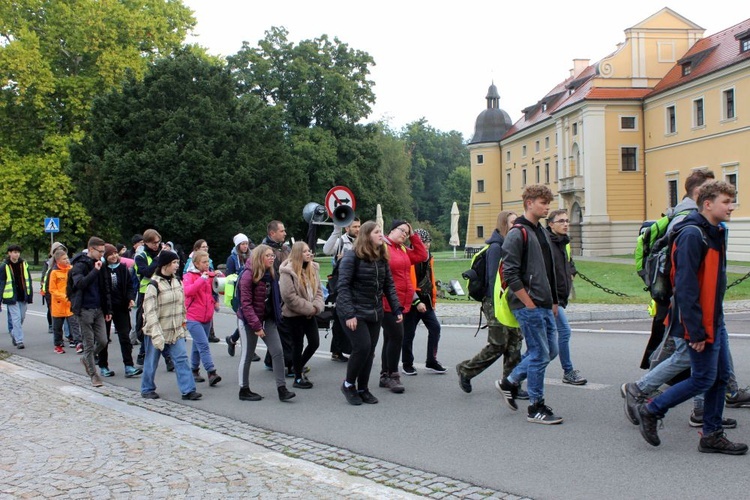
(709, 374)
(540, 331)
(411, 320)
(665, 371)
(200, 351)
(563, 340)
(16, 317)
(178, 353)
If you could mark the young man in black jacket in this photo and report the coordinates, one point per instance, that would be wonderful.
(529, 271)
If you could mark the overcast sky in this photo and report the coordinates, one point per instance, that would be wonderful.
(437, 59)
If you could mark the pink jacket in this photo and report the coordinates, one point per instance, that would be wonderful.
(199, 298)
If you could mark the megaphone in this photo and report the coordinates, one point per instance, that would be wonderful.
(343, 216)
(314, 213)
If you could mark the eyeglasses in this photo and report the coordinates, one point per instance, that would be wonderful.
(562, 221)
(405, 231)
(100, 250)
(270, 256)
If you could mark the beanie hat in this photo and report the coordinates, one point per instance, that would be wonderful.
(397, 222)
(137, 238)
(55, 246)
(165, 258)
(423, 235)
(240, 238)
(109, 250)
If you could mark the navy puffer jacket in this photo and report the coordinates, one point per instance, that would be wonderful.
(361, 296)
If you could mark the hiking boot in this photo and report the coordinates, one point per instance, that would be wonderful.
(96, 381)
(106, 372)
(409, 370)
(285, 394)
(351, 394)
(367, 397)
(740, 399)
(648, 423)
(383, 380)
(540, 413)
(59, 349)
(213, 378)
(573, 377)
(633, 397)
(139, 359)
(132, 371)
(435, 367)
(393, 383)
(231, 345)
(509, 392)
(170, 364)
(339, 356)
(247, 395)
(213, 339)
(464, 382)
(197, 376)
(696, 420)
(79, 348)
(302, 383)
(192, 396)
(149, 395)
(717, 442)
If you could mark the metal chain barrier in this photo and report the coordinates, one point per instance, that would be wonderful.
(597, 285)
(738, 281)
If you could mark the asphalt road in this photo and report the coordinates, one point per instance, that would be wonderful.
(436, 427)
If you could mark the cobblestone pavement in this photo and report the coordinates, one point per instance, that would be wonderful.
(62, 439)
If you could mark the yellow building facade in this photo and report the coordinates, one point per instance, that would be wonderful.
(593, 140)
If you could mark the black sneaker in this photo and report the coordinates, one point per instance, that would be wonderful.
(338, 356)
(696, 420)
(170, 364)
(139, 359)
(509, 392)
(19, 345)
(285, 394)
(149, 395)
(717, 442)
(464, 382)
(540, 413)
(383, 380)
(367, 397)
(247, 395)
(633, 396)
(302, 383)
(192, 396)
(351, 394)
(231, 346)
(214, 339)
(256, 358)
(648, 423)
(435, 367)
(522, 394)
(409, 370)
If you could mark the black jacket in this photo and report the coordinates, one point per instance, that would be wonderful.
(361, 296)
(84, 274)
(127, 284)
(565, 269)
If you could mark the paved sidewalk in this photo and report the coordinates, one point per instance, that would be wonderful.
(63, 439)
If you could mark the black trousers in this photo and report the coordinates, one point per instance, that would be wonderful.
(393, 341)
(301, 327)
(364, 340)
(121, 320)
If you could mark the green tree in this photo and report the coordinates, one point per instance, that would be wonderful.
(180, 152)
(434, 155)
(396, 199)
(457, 187)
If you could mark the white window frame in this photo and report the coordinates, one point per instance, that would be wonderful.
(480, 186)
(523, 151)
(672, 106)
(694, 105)
(673, 176)
(724, 109)
(732, 168)
(507, 156)
(536, 146)
(635, 123)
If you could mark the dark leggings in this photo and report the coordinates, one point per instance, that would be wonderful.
(364, 340)
(301, 327)
(393, 340)
(121, 319)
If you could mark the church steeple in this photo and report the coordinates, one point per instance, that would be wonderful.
(493, 122)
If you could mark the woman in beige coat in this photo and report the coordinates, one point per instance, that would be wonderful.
(303, 299)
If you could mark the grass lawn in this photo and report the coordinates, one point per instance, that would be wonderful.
(617, 277)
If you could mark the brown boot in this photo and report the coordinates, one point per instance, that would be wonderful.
(197, 376)
(394, 383)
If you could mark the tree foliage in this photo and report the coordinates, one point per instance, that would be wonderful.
(181, 153)
(457, 187)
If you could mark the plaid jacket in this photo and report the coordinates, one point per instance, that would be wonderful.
(164, 314)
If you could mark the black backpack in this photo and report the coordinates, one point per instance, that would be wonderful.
(658, 264)
(477, 275)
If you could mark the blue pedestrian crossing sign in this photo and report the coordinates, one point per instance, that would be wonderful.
(51, 225)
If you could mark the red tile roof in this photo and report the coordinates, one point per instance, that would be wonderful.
(708, 55)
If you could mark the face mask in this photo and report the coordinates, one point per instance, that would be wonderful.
(113, 266)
